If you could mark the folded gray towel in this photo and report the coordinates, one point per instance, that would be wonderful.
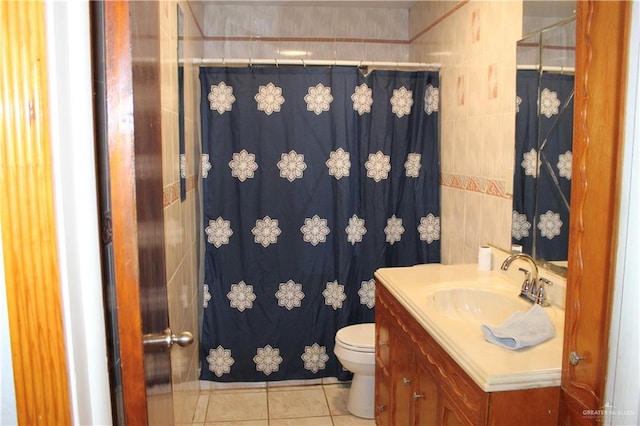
(522, 329)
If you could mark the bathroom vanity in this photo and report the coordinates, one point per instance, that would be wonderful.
(433, 366)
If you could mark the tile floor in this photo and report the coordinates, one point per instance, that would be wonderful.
(313, 405)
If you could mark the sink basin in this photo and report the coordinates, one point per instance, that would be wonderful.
(482, 303)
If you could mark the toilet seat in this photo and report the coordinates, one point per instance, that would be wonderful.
(357, 338)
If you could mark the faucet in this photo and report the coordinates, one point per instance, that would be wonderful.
(533, 289)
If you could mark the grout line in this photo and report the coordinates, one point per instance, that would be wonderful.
(266, 394)
(326, 400)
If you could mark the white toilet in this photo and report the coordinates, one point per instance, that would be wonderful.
(355, 349)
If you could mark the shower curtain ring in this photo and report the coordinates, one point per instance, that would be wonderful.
(277, 66)
(250, 64)
(303, 64)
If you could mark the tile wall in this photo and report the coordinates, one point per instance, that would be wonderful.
(310, 32)
(181, 231)
(475, 41)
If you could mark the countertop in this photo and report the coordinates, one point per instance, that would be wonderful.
(491, 367)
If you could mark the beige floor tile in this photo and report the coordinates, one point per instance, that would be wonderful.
(307, 402)
(352, 421)
(183, 408)
(283, 388)
(160, 408)
(231, 391)
(240, 423)
(236, 405)
(337, 396)
(200, 413)
(304, 421)
(206, 385)
(294, 383)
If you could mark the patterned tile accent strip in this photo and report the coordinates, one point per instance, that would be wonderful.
(171, 193)
(493, 187)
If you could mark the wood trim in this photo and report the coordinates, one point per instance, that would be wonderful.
(27, 218)
(119, 113)
(602, 30)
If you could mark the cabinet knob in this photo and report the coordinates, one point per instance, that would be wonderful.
(380, 408)
(417, 396)
(574, 358)
(405, 381)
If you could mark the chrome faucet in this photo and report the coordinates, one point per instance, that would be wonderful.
(533, 289)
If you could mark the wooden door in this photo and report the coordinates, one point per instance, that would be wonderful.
(601, 58)
(126, 43)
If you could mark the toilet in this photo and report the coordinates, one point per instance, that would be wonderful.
(355, 349)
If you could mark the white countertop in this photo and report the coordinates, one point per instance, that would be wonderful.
(491, 367)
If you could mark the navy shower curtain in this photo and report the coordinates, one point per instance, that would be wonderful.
(542, 179)
(313, 177)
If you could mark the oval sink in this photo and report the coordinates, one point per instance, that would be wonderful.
(486, 305)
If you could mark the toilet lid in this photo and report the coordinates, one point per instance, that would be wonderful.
(360, 337)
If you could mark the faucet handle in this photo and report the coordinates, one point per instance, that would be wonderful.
(526, 285)
(541, 294)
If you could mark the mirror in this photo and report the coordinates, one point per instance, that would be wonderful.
(543, 140)
(181, 142)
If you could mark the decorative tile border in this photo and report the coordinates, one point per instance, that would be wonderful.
(493, 187)
(171, 193)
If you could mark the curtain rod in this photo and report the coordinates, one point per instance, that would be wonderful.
(553, 26)
(312, 62)
(547, 68)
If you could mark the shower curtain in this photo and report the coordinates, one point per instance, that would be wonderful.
(542, 179)
(313, 177)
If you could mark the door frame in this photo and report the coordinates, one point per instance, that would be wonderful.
(602, 38)
(56, 68)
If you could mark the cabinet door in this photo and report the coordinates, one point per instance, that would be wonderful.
(383, 404)
(448, 414)
(402, 377)
(425, 398)
(383, 362)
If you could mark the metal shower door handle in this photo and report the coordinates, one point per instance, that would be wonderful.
(167, 339)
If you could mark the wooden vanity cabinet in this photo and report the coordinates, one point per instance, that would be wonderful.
(418, 383)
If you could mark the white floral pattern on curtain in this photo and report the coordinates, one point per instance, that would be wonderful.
(313, 177)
